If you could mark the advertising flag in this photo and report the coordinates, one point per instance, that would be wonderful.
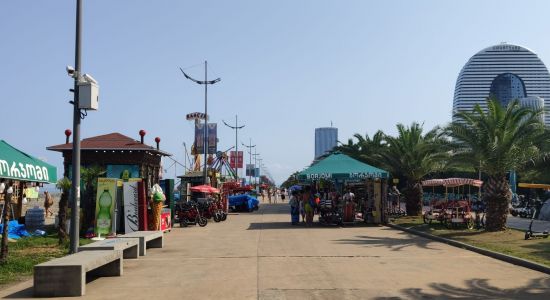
(236, 160)
(249, 170)
(212, 138)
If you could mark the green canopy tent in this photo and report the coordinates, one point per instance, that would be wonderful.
(338, 167)
(18, 165)
(341, 166)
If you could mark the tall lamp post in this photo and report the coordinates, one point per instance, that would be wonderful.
(255, 164)
(236, 127)
(206, 82)
(250, 146)
(86, 97)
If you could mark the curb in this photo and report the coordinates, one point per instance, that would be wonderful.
(503, 257)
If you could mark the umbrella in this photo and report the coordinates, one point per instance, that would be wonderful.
(204, 189)
(295, 188)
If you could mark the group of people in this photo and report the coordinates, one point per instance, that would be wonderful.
(305, 203)
(273, 195)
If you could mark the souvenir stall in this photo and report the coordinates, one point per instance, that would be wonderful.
(360, 189)
(16, 169)
(135, 166)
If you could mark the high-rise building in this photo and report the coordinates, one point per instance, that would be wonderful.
(325, 140)
(506, 72)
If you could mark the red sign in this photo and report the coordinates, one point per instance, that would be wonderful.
(236, 158)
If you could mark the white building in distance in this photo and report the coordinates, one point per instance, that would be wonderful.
(507, 72)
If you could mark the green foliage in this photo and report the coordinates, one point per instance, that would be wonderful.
(90, 175)
(64, 184)
(366, 149)
(291, 180)
(499, 140)
(412, 154)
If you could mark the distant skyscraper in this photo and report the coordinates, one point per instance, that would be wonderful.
(507, 72)
(325, 140)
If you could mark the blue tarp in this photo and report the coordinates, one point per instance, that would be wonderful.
(16, 230)
(246, 200)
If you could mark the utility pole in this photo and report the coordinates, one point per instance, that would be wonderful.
(236, 127)
(75, 186)
(206, 83)
(255, 163)
(250, 157)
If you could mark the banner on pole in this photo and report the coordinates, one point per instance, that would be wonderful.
(236, 159)
(249, 170)
(212, 138)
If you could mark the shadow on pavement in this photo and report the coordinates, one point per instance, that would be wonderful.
(394, 244)
(22, 294)
(479, 289)
(286, 225)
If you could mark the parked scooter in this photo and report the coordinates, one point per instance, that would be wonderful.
(189, 214)
(529, 234)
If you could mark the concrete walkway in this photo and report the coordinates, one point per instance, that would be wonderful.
(261, 256)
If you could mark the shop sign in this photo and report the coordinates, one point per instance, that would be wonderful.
(23, 171)
(319, 176)
(365, 175)
(131, 212)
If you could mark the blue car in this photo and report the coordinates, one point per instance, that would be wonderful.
(243, 203)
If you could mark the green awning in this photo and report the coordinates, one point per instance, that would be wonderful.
(18, 165)
(341, 166)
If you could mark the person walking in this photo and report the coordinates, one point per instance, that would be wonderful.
(294, 208)
(302, 208)
(48, 203)
(309, 204)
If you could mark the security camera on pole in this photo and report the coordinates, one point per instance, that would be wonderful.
(86, 97)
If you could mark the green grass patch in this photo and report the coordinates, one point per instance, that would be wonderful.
(27, 252)
(510, 242)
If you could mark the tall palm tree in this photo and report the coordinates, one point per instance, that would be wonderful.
(413, 155)
(89, 177)
(366, 148)
(64, 184)
(498, 140)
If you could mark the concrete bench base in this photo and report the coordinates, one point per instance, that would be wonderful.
(66, 276)
(128, 246)
(147, 239)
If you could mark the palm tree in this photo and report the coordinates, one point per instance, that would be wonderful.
(498, 140)
(64, 185)
(366, 148)
(89, 177)
(413, 155)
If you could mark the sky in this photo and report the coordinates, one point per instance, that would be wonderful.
(286, 68)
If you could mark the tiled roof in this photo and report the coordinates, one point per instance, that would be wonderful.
(111, 141)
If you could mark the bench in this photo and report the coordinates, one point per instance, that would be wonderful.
(147, 239)
(66, 276)
(129, 247)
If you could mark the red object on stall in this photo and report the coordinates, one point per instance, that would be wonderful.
(204, 189)
(165, 220)
(349, 212)
(142, 206)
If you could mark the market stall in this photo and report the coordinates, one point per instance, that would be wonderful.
(16, 169)
(347, 175)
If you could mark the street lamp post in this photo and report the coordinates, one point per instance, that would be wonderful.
(250, 158)
(236, 127)
(75, 186)
(206, 83)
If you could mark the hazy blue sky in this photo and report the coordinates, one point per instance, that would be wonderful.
(287, 67)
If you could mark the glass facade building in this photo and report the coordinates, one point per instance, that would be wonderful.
(505, 71)
(325, 140)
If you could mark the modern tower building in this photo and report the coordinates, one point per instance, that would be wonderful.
(325, 140)
(507, 72)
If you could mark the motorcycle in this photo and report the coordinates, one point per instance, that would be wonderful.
(189, 214)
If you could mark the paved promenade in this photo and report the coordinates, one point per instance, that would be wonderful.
(260, 256)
